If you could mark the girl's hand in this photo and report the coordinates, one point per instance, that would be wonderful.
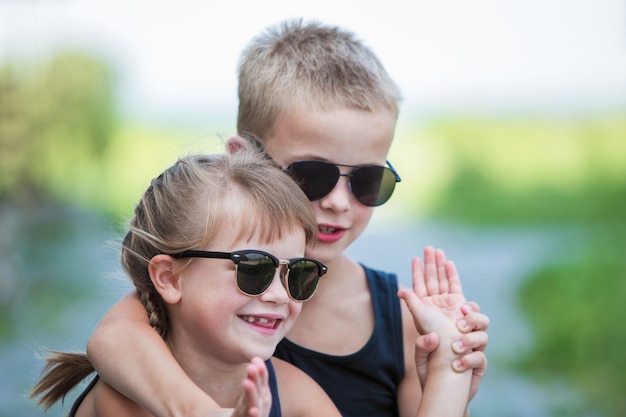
(437, 296)
(256, 399)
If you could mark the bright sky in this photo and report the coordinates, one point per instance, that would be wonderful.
(178, 57)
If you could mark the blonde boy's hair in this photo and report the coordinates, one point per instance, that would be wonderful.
(298, 66)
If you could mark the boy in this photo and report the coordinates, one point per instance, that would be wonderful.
(321, 105)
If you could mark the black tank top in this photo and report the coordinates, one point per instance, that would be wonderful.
(364, 383)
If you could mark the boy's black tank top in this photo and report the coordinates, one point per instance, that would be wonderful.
(364, 383)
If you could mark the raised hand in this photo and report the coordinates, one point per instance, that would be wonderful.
(256, 399)
(437, 296)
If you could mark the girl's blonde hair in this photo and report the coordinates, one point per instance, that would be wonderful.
(185, 208)
(299, 66)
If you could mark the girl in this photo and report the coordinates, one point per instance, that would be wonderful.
(215, 251)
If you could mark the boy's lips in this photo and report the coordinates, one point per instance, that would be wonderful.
(329, 233)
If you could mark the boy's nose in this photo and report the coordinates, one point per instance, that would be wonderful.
(339, 198)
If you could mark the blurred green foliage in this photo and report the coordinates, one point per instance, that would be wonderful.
(577, 310)
(57, 119)
(535, 171)
(572, 174)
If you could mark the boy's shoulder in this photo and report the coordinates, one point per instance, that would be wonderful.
(379, 274)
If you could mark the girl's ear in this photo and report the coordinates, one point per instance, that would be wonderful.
(235, 144)
(166, 282)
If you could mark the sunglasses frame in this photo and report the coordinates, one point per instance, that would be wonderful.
(235, 257)
(350, 175)
(256, 143)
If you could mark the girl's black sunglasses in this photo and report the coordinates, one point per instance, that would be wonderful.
(255, 270)
(371, 185)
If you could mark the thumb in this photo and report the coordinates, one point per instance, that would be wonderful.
(424, 346)
(413, 302)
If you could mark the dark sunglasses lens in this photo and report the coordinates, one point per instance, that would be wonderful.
(316, 178)
(373, 185)
(255, 273)
(303, 278)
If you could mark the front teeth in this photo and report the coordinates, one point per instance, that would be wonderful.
(325, 229)
(251, 319)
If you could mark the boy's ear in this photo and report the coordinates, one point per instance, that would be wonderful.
(166, 282)
(235, 144)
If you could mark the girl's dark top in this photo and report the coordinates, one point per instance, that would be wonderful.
(274, 412)
(364, 383)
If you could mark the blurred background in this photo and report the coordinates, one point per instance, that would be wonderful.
(511, 143)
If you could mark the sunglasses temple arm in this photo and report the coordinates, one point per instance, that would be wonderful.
(398, 179)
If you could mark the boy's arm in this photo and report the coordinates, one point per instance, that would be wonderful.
(130, 356)
(255, 401)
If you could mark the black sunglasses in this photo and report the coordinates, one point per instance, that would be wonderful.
(371, 185)
(255, 271)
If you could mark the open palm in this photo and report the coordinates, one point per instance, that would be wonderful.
(437, 296)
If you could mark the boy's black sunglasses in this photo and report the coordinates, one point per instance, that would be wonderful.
(371, 185)
(255, 270)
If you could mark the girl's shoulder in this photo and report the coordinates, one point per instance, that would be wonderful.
(299, 394)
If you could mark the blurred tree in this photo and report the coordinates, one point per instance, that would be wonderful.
(55, 118)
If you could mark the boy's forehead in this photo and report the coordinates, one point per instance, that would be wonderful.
(349, 136)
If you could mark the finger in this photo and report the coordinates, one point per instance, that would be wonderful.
(414, 304)
(419, 285)
(442, 274)
(262, 373)
(253, 372)
(469, 307)
(474, 341)
(472, 322)
(412, 301)
(427, 343)
(454, 281)
(257, 373)
(248, 404)
(261, 398)
(424, 346)
(430, 271)
(476, 361)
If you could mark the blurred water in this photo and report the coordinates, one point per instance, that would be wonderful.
(62, 273)
(492, 263)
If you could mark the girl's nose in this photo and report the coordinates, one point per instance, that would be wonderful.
(277, 293)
